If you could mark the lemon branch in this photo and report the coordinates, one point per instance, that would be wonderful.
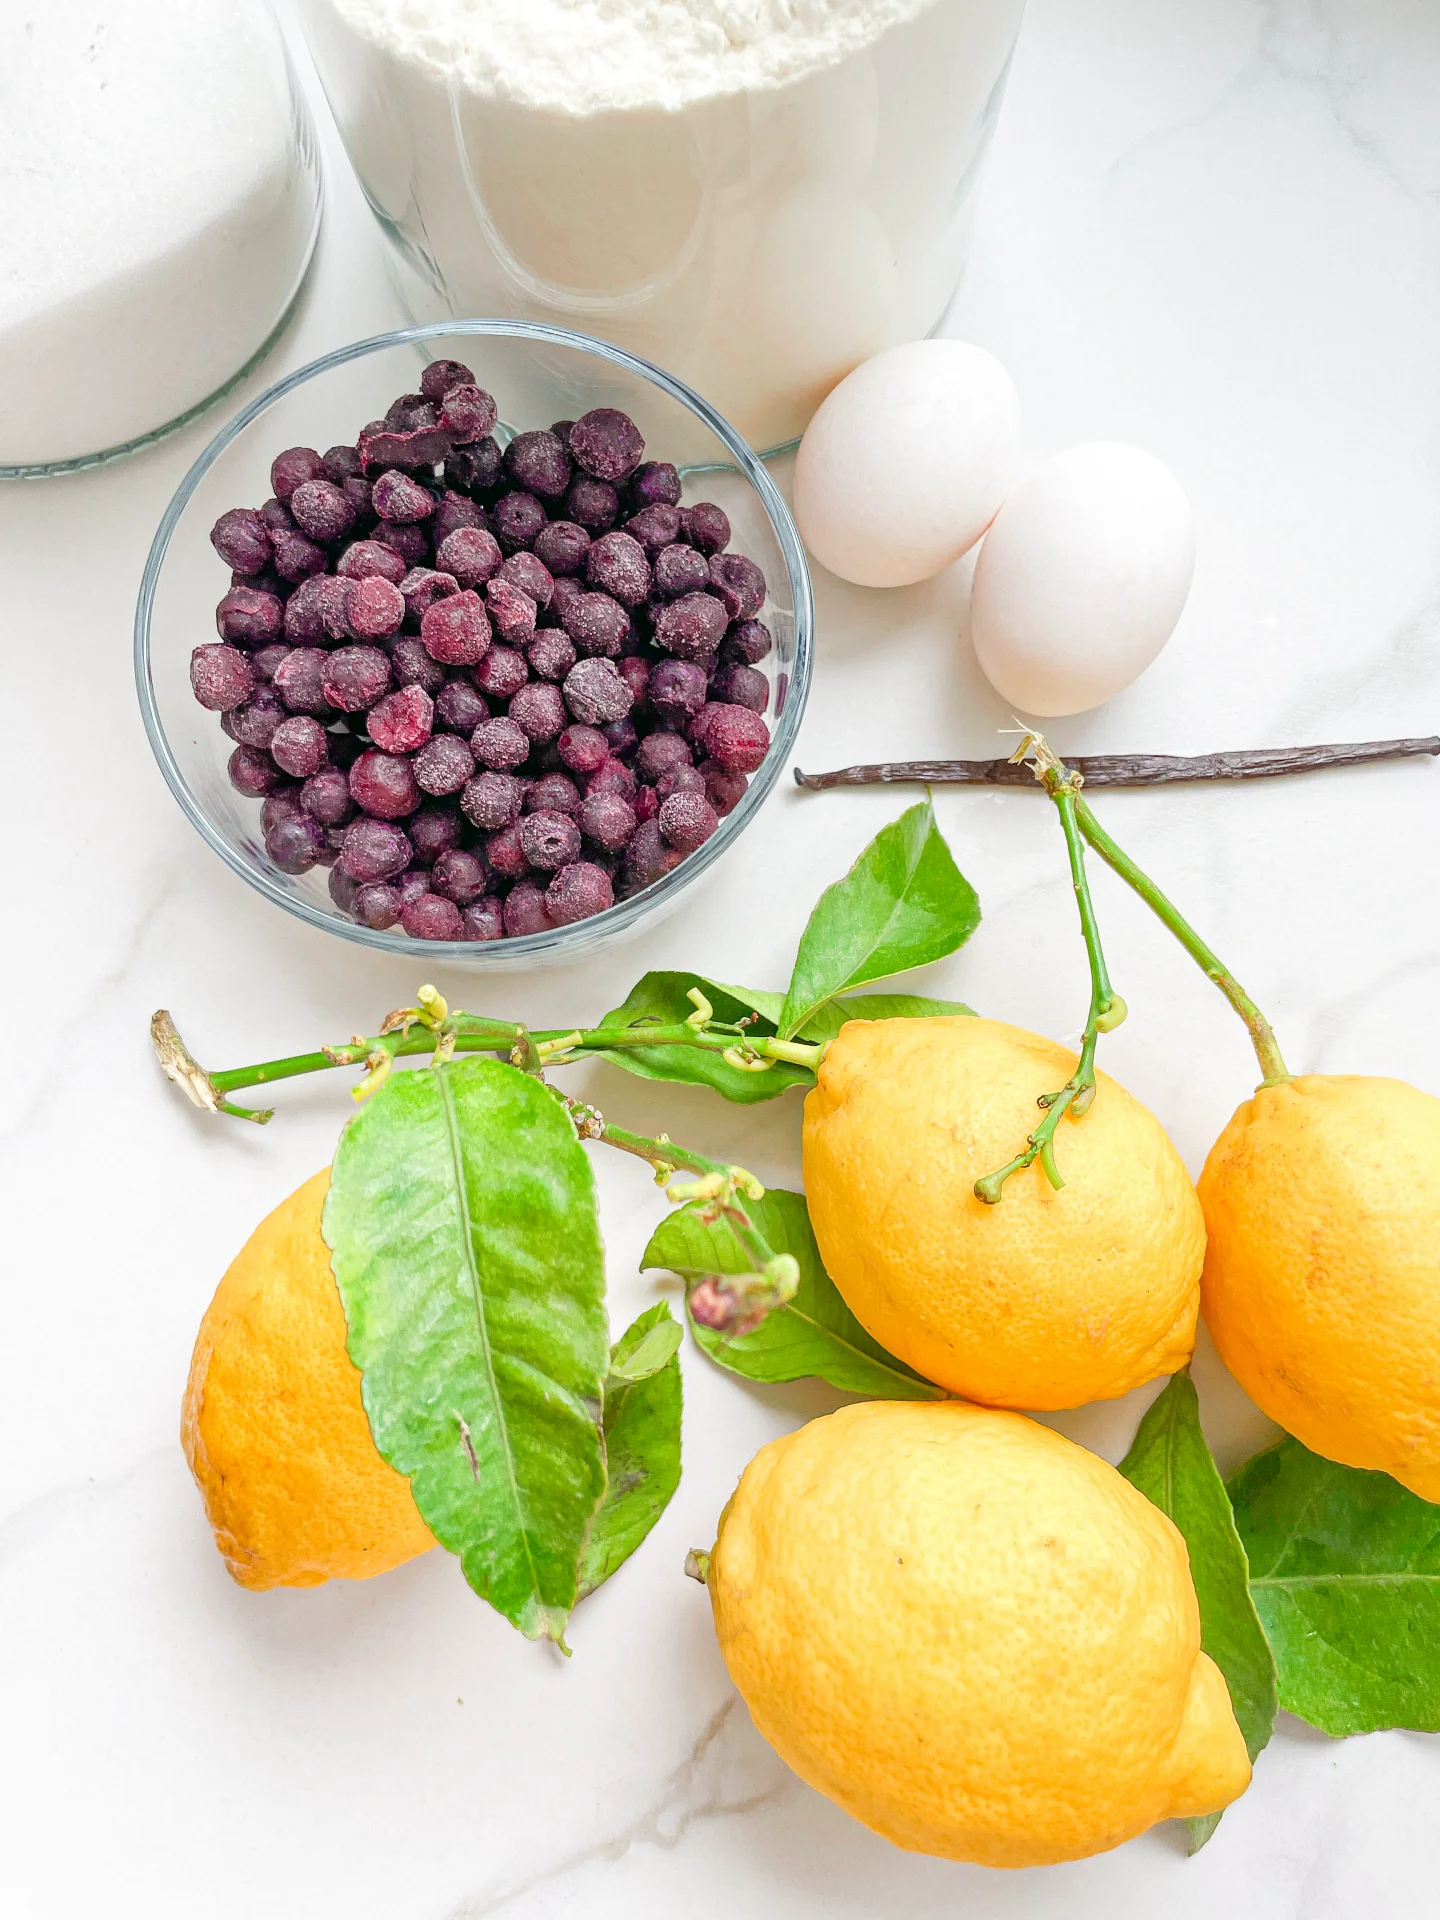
(1107, 1009)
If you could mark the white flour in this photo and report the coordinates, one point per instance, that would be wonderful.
(755, 194)
(152, 223)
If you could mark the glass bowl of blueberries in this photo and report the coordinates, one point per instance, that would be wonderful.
(485, 633)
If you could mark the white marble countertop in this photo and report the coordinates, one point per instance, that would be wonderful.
(1212, 227)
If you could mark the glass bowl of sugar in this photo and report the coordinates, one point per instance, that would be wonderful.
(538, 375)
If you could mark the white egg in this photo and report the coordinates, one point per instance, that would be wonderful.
(906, 462)
(1082, 578)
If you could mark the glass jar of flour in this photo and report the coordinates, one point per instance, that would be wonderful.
(756, 194)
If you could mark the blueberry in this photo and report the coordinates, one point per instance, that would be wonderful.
(739, 583)
(578, 891)
(299, 680)
(410, 542)
(562, 546)
(500, 745)
(355, 677)
(539, 711)
(724, 787)
(383, 784)
(524, 910)
(296, 845)
(471, 554)
(459, 707)
(595, 693)
(621, 737)
(607, 444)
(655, 483)
(705, 526)
(320, 509)
(612, 777)
(266, 661)
(340, 464)
(400, 500)
(456, 630)
(325, 796)
(550, 840)
(441, 375)
(250, 619)
(584, 749)
(512, 613)
(617, 565)
(412, 667)
(431, 918)
(376, 906)
(648, 858)
(402, 721)
(552, 793)
(305, 610)
(292, 469)
(421, 587)
(282, 804)
(253, 722)
(608, 819)
(374, 850)
(679, 779)
(593, 505)
(687, 820)
(501, 673)
(484, 919)
(296, 557)
(538, 463)
(736, 737)
(531, 576)
(277, 517)
(491, 800)
(646, 804)
(342, 889)
(654, 527)
(504, 854)
(692, 627)
(467, 413)
(658, 752)
(432, 831)
(747, 642)
(299, 746)
(635, 672)
(597, 624)
(241, 540)
(741, 686)
(454, 511)
(474, 469)
(516, 519)
(252, 772)
(459, 875)
(220, 677)
(551, 653)
(374, 608)
(677, 690)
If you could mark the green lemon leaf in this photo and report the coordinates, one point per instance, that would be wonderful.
(815, 1335)
(827, 1022)
(1171, 1465)
(463, 1231)
(642, 1441)
(903, 903)
(660, 999)
(1345, 1570)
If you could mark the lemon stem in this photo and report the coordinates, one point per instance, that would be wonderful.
(1262, 1037)
(1107, 1009)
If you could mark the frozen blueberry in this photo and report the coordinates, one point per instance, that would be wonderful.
(724, 787)
(383, 784)
(552, 793)
(550, 840)
(320, 509)
(412, 666)
(741, 686)
(299, 680)
(612, 777)
(551, 653)
(516, 519)
(471, 554)
(241, 540)
(283, 804)
(253, 722)
(562, 546)
(342, 889)
(692, 627)
(296, 845)
(454, 511)
(608, 819)
(296, 557)
(460, 707)
(325, 796)
(607, 444)
(410, 543)
(456, 630)
(504, 854)
(655, 483)
(340, 464)
(305, 609)
(635, 672)
(739, 583)
(355, 677)
(658, 752)
(501, 673)
(747, 642)
(467, 413)
(578, 891)
(648, 858)
(292, 468)
(376, 906)
(299, 746)
(646, 804)
(400, 500)
(677, 690)
(277, 517)
(421, 587)
(654, 527)
(687, 820)
(679, 779)
(617, 565)
(431, 918)
(432, 831)
(402, 721)
(595, 693)
(441, 375)
(679, 570)
(474, 470)
(524, 910)
(736, 737)
(512, 613)
(537, 463)
(250, 619)
(531, 576)
(491, 800)
(583, 749)
(367, 559)
(220, 676)
(593, 505)
(484, 919)
(621, 738)
(597, 624)
(265, 661)
(705, 526)
(459, 875)
(500, 745)
(252, 772)
(539, 711)
(374, 608)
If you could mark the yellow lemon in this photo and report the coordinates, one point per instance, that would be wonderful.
(971, 1634)
(1048, 1299)
(272, 1423)
(1322, 1275)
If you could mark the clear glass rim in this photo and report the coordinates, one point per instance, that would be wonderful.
(625, 913)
